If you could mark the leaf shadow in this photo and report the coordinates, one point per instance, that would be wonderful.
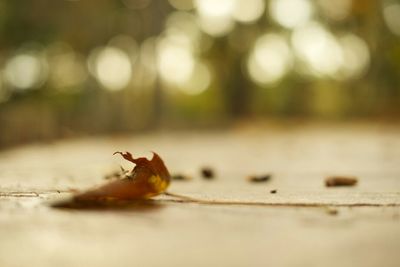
(140, 205)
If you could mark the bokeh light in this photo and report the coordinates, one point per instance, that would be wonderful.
(291, 13)
(391, 14)
(211, 60)
(318, 49)
(127, 44)
(183, 26)
(270, 59)
(26, 70)
(199, 81)
(356, 56)
(212, 8)
(215, 17)
(66, 67)
(175, 61)
(216, 26)
(112, 67)
(248, 11)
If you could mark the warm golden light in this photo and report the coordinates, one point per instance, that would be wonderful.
(356, 56)
(66, 69)
(270, 59)
(290, 13)
(391, 14)
(112, 68)
(212, 8)
(183, 26)
(216, 26)
(318, 49)
(26, 70)
(175, 60)
(215, 17)
(248, 11)
(199, 81)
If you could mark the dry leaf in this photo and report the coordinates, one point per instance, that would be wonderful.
(149, 178)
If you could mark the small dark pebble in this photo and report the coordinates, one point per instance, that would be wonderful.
(332, 211)
(340, 181)
(207, 173)
(260, 178)
(180, 177)
(273, 191)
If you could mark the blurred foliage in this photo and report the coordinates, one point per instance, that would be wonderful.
(69, 68)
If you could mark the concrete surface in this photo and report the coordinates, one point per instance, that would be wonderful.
(303, 224)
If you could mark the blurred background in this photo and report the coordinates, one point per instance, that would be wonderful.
(79, 68)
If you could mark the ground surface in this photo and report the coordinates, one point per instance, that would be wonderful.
(365, 231)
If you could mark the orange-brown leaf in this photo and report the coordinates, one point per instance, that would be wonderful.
(147, 179)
